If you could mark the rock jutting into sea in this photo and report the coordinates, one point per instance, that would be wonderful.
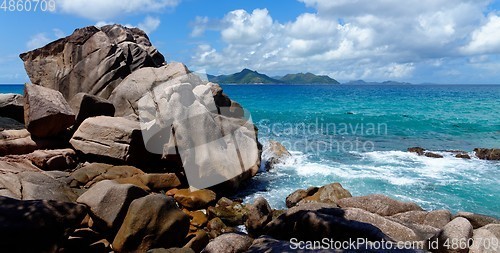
(112, 149)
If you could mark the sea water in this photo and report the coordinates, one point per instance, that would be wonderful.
(387, 120)
(436, 117)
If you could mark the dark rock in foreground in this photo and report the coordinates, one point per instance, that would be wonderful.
(153, 221)
(108, 202)
(36, 225)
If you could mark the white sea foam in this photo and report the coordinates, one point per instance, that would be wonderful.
(433, 183)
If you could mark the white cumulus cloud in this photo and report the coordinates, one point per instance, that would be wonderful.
(486, 39)
(109, 9)
(351, 39)
(246, 28)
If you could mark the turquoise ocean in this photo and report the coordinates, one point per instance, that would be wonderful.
(358, 136)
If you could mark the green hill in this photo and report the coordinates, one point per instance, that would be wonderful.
(246, 76)
(307, 78)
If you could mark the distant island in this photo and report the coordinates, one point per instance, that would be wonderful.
(361, 82)
(248, 76)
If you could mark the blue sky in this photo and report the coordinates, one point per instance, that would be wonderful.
(439, 41)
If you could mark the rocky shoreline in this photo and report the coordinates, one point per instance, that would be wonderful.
(77, 174)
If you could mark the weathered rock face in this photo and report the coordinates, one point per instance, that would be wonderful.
(317, 220)
(195, 199)
(22, 180)
(459, 229)
(46, 112)
(478, 220)
(180, 112)
(299, 194)
(484, 239)
(17, 142)
(232, 213)
(330, 193)
(95, 59)
(314, 221)
(259, 214)
(36, 225)
(10, 124)
(57, 159)
(197, 241)
(488, 153)
(109, 202)
(85, 106)
(112, 137)
(274, 153)
(436, 218)
(153, 221)
(216, 227)
(12, 106)
(229, 243)
(160, 181)
(379, 204)
(91, 173)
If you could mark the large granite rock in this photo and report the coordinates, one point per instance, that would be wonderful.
(379, 204)
(458, 230)
(17, 142)
(314, 221)
(36, 225)
(330, 193)
(478, 220)
(46, 112)
(160, 181)
(22, 180)
(57, 159)
(179, 112)
(91, 60)
(436, 218)
(111, 137)
(298, 195)
(108, 202)
(12, 106)
(485, 239)
(86, 106)
(92, 173)
(153, 221)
